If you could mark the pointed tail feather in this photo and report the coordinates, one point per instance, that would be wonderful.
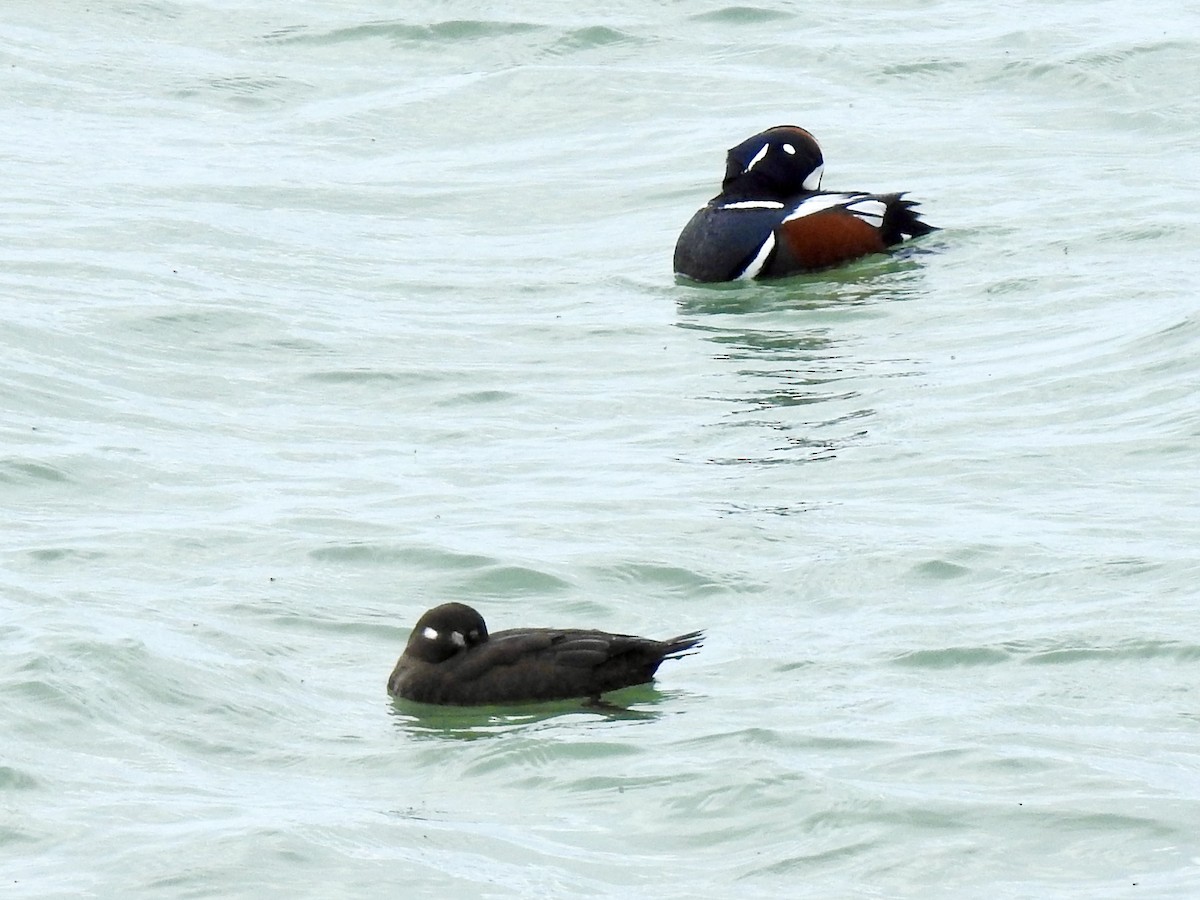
(679, 646)
(902, 220)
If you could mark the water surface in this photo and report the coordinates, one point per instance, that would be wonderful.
(319, 317)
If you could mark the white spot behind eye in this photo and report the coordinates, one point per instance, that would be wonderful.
(457, 639)
(430, 633)
(789, 149)
(758, 157)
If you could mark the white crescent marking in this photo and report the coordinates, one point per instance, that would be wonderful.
(758, 157)
(760, 258)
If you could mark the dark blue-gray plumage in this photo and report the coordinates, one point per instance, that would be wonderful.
(772, 219)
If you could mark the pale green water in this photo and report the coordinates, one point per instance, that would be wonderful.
(320, 315)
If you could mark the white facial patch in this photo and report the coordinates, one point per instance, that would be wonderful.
(457, 639)
(758, 157)
(789, 149)
(813, 181)
(430, 634)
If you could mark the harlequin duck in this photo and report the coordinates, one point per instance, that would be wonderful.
(772, 219)
(451, 659)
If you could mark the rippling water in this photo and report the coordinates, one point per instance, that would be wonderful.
(319, 316)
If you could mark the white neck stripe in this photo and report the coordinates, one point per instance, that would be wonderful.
(758, 157)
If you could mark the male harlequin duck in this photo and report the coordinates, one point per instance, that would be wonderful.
(451, 659)
(772, 219)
